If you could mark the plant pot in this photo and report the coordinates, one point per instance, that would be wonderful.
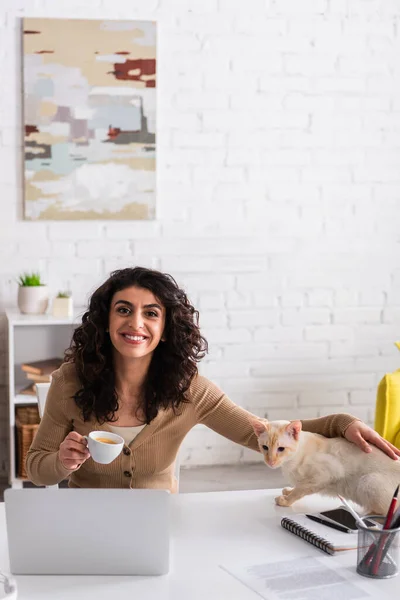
(63, 307)
(33, 300)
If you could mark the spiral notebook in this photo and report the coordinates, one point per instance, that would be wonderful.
(325, 538)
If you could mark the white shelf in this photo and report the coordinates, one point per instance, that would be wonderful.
(30, 338)
(17, 482)
(18, 319)
(24, 399)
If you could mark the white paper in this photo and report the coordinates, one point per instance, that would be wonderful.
(307, 578)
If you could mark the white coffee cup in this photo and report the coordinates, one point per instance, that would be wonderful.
(101, 450)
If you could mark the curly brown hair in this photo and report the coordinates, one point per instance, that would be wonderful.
(173, 364)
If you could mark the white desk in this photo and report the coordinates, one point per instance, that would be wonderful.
(208, 529)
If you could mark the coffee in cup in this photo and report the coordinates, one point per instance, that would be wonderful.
(104, 446)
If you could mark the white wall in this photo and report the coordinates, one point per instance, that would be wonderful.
(278, 195)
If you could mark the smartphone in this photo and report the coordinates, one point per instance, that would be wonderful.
(343, 517)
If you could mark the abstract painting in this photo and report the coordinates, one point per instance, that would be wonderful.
(90, 119)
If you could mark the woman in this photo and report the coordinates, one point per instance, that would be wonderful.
(132, 369)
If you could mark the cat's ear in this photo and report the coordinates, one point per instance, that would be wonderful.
(294, 429)
(258, 426)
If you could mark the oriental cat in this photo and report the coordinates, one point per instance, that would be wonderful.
(313, 464)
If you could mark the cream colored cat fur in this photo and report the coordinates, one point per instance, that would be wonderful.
(328, 466)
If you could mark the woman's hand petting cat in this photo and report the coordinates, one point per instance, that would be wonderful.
(360, 434)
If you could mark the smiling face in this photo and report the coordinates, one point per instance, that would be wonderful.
(136, 322)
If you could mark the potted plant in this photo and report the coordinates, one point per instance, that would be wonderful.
(63, 305)
(33, 294)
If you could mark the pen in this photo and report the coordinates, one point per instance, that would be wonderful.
(392, 506)
(396, 520)
(382, 548)
(376, 561)
(329, 524)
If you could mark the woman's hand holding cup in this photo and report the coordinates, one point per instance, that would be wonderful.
(73, 451)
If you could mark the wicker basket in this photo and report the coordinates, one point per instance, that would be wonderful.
(27, 423)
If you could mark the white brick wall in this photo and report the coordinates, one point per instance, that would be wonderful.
(278, 196)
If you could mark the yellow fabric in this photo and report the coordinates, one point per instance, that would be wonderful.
(387, 414)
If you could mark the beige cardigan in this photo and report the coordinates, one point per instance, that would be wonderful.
(148, 462)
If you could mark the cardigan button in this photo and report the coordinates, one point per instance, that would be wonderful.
(127, 474)
(127, 451)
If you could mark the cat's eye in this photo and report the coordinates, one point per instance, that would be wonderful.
(281, 449)
(265, 447)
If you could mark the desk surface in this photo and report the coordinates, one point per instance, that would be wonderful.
(208, 529)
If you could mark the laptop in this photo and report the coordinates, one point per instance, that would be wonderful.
(88, 531)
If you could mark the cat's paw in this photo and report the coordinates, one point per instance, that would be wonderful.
(281, 501)
(286, 491)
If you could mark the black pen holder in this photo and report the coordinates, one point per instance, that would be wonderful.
(377, 550)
